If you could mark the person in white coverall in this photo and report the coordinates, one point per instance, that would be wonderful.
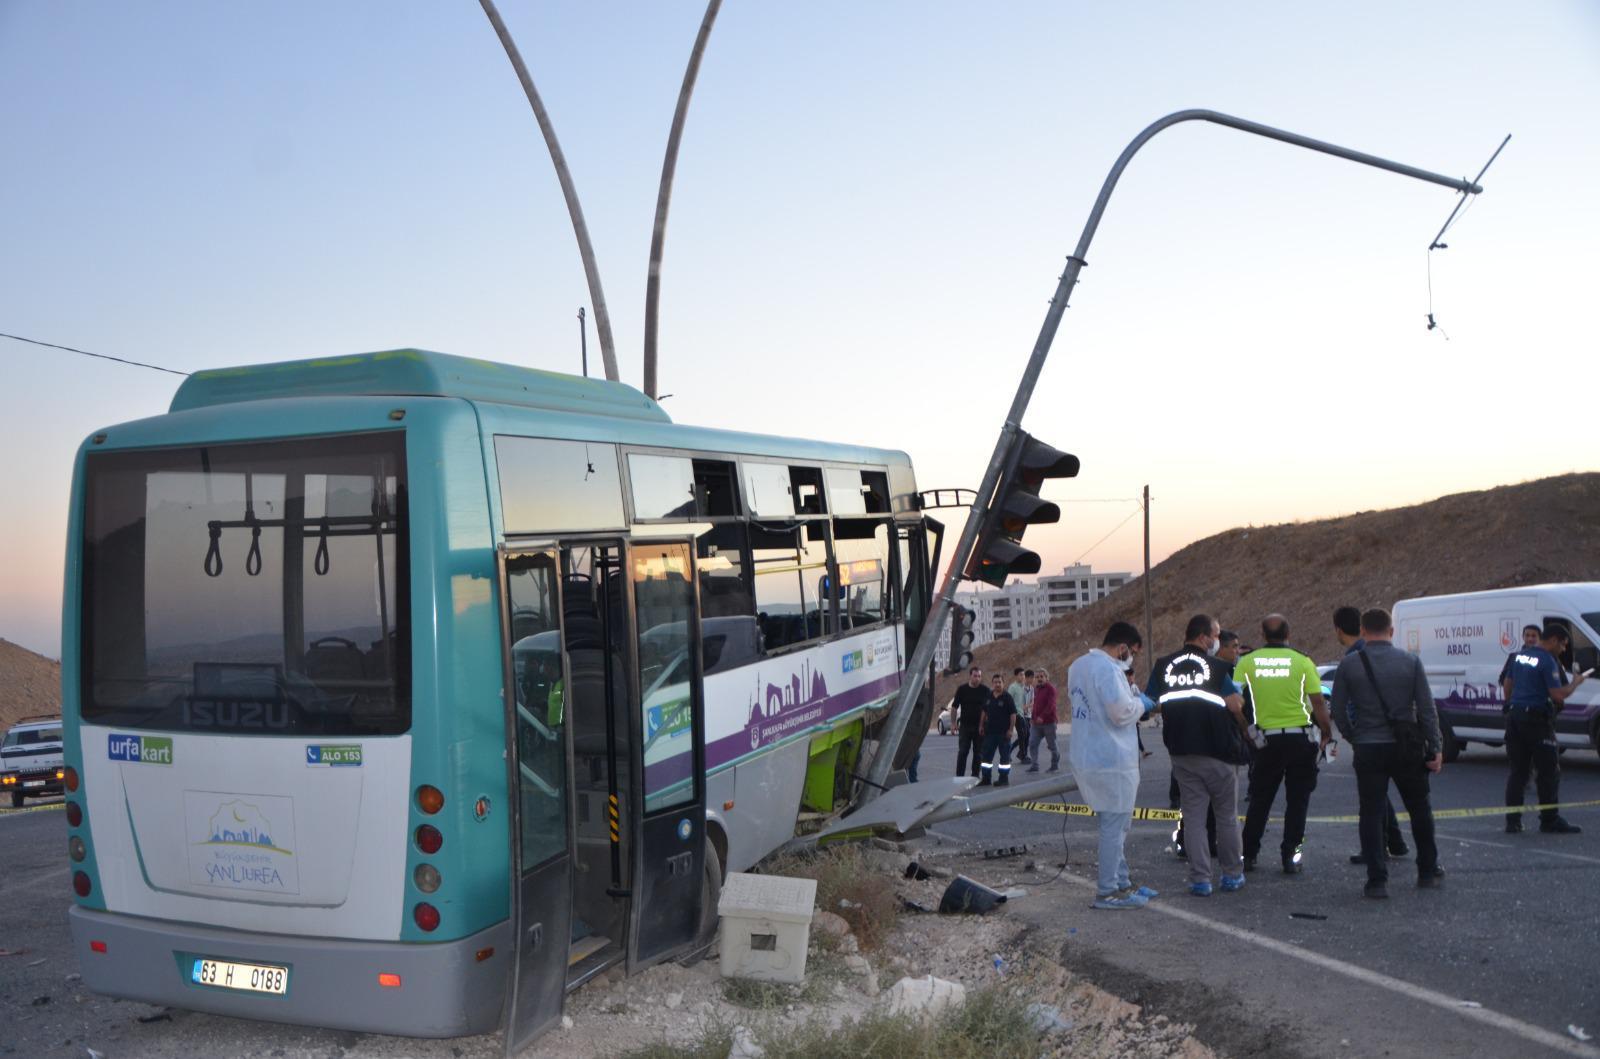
(1104, 753)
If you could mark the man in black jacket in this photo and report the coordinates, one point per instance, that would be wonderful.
(969, 701)
(1203, 727)
(1378, 693)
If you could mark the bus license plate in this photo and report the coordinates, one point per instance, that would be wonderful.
(250, 977)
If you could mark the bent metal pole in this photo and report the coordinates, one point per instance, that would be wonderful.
(580, 228)
(922, 657)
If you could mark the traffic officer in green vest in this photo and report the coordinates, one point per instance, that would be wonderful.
(1291, 726)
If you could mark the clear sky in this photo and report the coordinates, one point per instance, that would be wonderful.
(873, 203)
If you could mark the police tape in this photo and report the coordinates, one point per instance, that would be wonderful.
(33, 809)
(1438, 814)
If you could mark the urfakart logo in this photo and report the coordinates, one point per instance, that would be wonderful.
(146, 749)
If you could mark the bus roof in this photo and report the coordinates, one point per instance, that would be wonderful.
(415, 373)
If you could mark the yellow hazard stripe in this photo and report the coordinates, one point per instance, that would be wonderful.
(1438, 814)
(33, 809)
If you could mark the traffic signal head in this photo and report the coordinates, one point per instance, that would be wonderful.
(1015, 506)
(961, 636)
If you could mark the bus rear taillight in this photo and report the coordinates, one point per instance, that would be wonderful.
(80, 884)
(70, 777)
(426, 877)
(430, 799)
(76, 849)
(427, 916)
(429, 839)
(74, 814)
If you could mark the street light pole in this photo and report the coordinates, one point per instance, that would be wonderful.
(922, 658)
(580, 228)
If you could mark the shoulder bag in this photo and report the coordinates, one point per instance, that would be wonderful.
(1410, 745)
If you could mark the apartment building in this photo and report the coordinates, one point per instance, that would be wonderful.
(1021, 607)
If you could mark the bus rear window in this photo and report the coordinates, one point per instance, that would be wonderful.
(255, 588)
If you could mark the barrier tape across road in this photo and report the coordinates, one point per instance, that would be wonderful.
(1438, 814)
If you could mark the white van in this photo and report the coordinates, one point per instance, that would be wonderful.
(1463, 641)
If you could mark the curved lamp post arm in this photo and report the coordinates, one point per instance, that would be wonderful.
(669, 168)
(597, 295)
(922, 658)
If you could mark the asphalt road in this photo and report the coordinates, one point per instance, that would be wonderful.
(1500, 961)
(1514, 930)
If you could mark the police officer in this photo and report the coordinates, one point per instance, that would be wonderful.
(1203, 728)
(1291, 726)
(1534, 692)
(998, 727)
(969, 702)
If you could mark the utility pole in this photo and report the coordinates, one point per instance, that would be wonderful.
(921, 662)
(1149, 614)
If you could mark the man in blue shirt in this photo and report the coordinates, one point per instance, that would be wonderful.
(1534, 691)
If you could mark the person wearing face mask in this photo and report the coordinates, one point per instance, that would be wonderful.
(1104, 755)
(1203, 727)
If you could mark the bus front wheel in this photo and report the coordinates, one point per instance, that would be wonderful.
(710, 892)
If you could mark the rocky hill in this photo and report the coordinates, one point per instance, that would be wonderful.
(1535, 532)
(30, 684)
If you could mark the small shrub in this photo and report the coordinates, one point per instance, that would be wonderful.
(849, 886)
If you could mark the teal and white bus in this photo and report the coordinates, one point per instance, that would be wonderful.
(405, 692)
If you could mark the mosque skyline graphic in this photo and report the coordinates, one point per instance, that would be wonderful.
(239, 823)
(806, 688)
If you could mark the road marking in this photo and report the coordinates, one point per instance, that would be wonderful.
(37, 878)
(1521, 849)
(1526, 1030)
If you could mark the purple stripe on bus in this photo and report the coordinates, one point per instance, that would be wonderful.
(663, 774)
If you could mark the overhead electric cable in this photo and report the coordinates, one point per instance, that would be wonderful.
(99, 356)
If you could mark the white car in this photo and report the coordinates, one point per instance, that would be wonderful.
(30, 761)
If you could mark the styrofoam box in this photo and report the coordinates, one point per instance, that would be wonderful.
(766, 926)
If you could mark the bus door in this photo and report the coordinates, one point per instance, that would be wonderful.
(536, 733)
(669, 728)
(598, 643)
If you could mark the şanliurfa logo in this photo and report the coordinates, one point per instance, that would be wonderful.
(148, 749)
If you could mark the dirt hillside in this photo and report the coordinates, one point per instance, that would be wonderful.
(30, 684)
(1535, 532)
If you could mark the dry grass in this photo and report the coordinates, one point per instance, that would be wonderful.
(993, 1022)
(848, 886)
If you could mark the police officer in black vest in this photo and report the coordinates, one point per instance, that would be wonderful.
(1204, 729)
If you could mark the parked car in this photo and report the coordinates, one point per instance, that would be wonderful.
(31, 765)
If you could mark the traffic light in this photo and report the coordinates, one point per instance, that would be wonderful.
(1015, 506)
(961, 619)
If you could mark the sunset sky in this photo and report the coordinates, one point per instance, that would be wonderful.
(873, 204)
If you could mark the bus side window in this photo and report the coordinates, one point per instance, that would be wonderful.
(729, 634)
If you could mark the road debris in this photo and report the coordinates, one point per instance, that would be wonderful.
(1578, 1032)
(969, 895)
